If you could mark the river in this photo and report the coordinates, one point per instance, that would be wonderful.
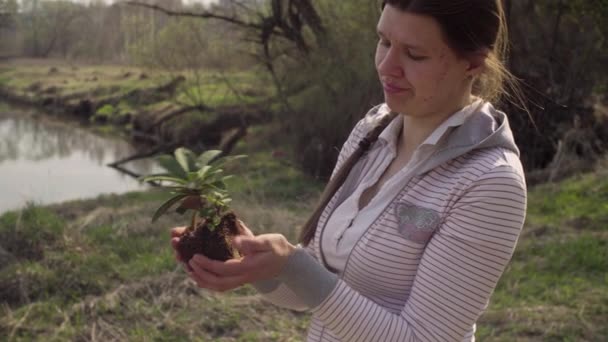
(45, 161)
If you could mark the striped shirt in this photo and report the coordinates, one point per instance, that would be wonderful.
(348, 223)
(425, 268)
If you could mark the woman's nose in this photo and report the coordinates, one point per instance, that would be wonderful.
(389, 64)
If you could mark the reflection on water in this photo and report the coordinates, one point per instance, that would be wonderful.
(48, 162)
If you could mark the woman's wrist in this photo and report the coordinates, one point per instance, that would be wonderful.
(307, 278)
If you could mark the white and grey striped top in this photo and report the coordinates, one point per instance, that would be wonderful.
(425, 269)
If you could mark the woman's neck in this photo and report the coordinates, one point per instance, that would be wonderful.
(416, 128)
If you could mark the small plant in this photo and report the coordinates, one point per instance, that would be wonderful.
(198, 184)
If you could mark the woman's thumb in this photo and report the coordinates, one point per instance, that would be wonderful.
(249, 244)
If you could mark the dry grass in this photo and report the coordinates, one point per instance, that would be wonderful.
(164, 304)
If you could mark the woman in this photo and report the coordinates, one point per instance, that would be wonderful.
(427, 201)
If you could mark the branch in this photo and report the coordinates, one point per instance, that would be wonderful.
(203, 14)
(131, 173)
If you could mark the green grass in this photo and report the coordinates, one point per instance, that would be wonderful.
(580, 202)
(556, 286)
(4, 80)
(114, 80)
(104, 269)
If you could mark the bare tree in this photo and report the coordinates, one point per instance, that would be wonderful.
(280, 22)
(8, 17)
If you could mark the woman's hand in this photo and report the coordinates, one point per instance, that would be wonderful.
(177, 232)
(263, 257)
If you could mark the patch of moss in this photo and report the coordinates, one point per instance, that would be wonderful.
(103, 114)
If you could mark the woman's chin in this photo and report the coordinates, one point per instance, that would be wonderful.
(398, 105)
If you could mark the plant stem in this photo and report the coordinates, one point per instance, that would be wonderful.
(193, 221)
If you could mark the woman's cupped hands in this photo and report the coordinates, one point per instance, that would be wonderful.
(262, 257)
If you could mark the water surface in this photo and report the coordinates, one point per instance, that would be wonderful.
(45, 161)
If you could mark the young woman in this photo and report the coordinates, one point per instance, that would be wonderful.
(427, 199)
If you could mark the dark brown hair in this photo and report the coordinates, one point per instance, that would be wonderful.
(310, 227)
(469, 26)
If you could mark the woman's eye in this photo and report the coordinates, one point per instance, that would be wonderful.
(415, 57)
(384, 43)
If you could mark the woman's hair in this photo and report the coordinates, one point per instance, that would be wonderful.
(309, 228)
(470, 27)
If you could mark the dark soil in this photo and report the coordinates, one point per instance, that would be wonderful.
(215, 244)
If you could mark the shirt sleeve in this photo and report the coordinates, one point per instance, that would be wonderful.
(458, 271)
(276, 292)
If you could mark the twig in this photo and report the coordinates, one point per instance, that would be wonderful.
(203, 14)
(132, 174)
(19, 323)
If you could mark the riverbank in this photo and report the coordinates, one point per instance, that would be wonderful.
(156, 109)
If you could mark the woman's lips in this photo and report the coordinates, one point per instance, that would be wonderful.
(392, 89)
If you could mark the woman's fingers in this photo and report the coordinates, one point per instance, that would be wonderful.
(265, 258)
(209, 280)
(261, 243)
(243, 229)
(178, 231)
(176, 234)
(174, 242)
(232, 267)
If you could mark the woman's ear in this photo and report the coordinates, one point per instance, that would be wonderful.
(477, 62)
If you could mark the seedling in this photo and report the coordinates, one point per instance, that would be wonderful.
(198, 185)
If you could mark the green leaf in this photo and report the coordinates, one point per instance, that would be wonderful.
(207, 157)
(167, 205)
(186, 159)
(203, 172)
(165, 179)
(222, 161)
(146, 178)
(218, 194)
(220, 185)
(185, 190)
(169, 163)
(193, 177)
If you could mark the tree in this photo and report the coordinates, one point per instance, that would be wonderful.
(8, 20)
(8, 12)
(559, 50)
(48, 25)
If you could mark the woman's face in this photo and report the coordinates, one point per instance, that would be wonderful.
(420, 73)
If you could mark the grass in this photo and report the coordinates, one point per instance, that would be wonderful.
(98, 269)
(556, 286)
(105, 272)
(104, 80)
(101, 270)
(111, 274)
(34, 80)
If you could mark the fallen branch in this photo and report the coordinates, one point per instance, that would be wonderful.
(138, 156)
(132, 174)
